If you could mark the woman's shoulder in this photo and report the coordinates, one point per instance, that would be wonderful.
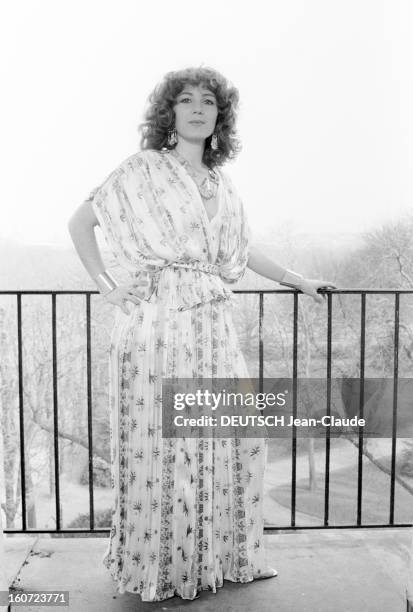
(140, 158)
(138, 162)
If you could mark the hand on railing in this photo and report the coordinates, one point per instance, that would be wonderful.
(310, 286)
(133, 292)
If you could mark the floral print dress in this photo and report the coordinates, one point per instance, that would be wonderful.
(188, 512)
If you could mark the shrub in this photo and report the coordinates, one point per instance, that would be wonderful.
(101, 473)
(103, 518)
(406, 461)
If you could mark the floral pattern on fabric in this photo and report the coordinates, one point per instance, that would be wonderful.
(188, 511)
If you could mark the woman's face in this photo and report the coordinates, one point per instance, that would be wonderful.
(195, 113)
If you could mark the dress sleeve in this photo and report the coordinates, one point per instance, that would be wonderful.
(108, 210)
(239, 242)
(113, 203)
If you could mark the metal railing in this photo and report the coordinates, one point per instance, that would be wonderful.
(260, 293)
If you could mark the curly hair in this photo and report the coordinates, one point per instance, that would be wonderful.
(160, 116)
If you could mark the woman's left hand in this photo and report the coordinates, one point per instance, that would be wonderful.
(310, 286)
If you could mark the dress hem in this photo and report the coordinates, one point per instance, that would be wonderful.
(175, 592)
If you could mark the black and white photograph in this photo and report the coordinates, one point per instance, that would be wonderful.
(206, 306)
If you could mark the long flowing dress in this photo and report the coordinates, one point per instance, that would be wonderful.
(188, 511)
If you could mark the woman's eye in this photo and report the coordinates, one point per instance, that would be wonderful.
(190, 100)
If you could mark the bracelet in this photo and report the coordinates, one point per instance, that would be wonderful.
(291, 279)
(106, 282)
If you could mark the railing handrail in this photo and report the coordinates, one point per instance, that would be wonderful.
(357, 290)
(87, 293)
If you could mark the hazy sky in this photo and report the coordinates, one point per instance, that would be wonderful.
(326, 89)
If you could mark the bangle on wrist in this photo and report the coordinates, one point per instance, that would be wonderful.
(106, 282)
(291, 279)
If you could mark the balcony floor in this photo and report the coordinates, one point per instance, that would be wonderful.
(349, 570)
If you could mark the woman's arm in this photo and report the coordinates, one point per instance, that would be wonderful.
(82, 231)
(264, 266)
(81, 227)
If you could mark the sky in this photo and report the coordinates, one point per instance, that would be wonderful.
(326, 92)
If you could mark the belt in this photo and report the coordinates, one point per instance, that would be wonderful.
(187, 292)
(201, 266)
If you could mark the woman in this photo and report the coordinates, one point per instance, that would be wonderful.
(188, 512)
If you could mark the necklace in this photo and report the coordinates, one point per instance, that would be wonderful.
(208, 185)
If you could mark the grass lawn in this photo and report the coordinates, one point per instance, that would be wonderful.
(343, 497)
(279, 448)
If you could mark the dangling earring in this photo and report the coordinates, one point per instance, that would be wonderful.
(172, 137)
(214, 142)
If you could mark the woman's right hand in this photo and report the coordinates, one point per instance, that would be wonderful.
(133, 292)
(310, 286)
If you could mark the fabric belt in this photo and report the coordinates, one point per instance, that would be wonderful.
(201, 266)
(187, 291)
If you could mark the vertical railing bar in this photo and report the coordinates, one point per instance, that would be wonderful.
(89, 413)
(327, 461)
(261, 340)
(361, 407)
(55, 413)
(294, 407)
(21, 410)
(395, 385)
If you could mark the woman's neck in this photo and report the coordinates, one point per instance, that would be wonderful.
(192, 152)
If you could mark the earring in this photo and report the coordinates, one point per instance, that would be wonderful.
(214, 142)
(172, 137)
